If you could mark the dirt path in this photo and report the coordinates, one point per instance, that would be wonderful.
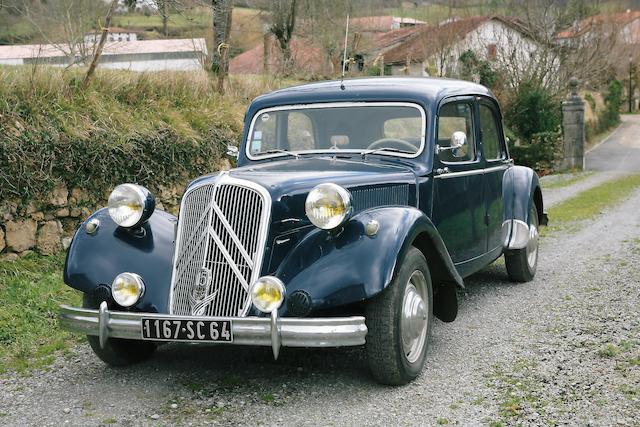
(561, 349)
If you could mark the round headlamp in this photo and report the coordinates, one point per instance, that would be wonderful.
(267, 293)
(328, 206)
(127, 289)
(131, 205)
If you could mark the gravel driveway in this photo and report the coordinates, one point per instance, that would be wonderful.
(563, 349)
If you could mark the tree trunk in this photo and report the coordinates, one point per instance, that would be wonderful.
(165, 19)
(222, 13)
(98, 52)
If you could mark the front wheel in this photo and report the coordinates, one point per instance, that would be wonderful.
(523, 263)
(399, 322)
(118, 352)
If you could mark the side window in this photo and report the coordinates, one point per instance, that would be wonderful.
(300, 132)
(456, 117)
(491, 141)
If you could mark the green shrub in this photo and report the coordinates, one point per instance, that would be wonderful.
(153, 129)
(472, 66)
(541, 152)
(532, 109)
(610, 115)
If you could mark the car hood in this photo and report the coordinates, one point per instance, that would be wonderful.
(289, 181)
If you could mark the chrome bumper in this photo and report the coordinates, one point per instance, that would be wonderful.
(274, 332)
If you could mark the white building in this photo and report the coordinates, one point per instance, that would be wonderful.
(140, 55)
(435, 50)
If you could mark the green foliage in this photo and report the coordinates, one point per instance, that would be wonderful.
(610, 115)
(539, 153)
(31, 289)
(158, 129)
(532, 109)
(472, 67)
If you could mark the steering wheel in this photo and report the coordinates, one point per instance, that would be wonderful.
(398, 143)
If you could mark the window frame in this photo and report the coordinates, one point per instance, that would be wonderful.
(497, 119)
(474, 126)
(314, 106)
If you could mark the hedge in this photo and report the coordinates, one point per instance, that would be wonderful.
(154, 129)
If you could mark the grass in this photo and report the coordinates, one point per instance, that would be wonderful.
(564, 180)
(31, 289)
(593, 201)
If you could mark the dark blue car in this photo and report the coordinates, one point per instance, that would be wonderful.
(356, 210)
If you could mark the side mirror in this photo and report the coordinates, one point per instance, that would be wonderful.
(458, 140)
(232, 151)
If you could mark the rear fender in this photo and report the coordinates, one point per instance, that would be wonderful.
(521, 188)
(96, 259)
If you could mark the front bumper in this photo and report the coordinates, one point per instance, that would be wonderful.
(263, 331)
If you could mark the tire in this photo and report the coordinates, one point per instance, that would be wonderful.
(523, 263)
(118, 352)
(395, 360)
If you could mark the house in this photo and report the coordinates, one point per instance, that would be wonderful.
(436, 49)
(114, 34)
(306, 57)
(624, 26)
(139, 55)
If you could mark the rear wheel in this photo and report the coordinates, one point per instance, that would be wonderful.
(523, 263)
(399, 322)
(116, 351)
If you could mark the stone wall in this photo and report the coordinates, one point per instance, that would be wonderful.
(47, 225)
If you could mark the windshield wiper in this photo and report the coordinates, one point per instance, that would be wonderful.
(279, 150)
(391, 149)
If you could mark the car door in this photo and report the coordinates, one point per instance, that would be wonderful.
(496, 162)
(458, 205)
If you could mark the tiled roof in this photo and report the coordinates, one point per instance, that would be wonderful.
(595, 21)
(307, 57)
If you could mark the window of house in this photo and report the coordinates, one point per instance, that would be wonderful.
(491, 141)
(492, 52)
(456, 117)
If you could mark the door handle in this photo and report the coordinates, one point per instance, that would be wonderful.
(441, 171)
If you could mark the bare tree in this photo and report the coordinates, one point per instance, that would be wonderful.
(222, 13)
(283, 21)
(98, 51)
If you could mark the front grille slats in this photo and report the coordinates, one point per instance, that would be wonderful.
(221, 236)
(389, 195)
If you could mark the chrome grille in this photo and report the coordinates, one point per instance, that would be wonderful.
(370, 197)
(220, 243)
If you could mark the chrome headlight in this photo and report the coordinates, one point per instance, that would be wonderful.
(131, 205)
(127, 289)
(267, 293)
(328, 206)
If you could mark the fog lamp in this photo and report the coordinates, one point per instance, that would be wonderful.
(127, 288)
(267, 293)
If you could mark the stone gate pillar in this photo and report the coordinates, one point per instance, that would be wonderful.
(573, 129)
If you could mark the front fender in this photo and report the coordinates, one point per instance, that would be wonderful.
(96, 259)
(348, 267)
(521, 188)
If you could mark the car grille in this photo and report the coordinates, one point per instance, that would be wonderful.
(388, 195)
(220, 243)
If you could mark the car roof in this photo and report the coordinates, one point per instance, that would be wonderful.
(424, 90)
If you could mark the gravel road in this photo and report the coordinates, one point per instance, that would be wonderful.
(562, 349)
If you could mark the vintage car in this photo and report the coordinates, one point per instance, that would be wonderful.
(357, 209)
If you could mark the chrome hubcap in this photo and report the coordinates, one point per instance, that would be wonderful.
(415, 316)
(532, 246)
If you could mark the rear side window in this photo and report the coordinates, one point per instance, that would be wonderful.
(456, 117)
(491, 141)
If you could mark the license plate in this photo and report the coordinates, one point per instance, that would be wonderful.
(187, 330)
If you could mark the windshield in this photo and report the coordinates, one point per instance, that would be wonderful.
(390, 128)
